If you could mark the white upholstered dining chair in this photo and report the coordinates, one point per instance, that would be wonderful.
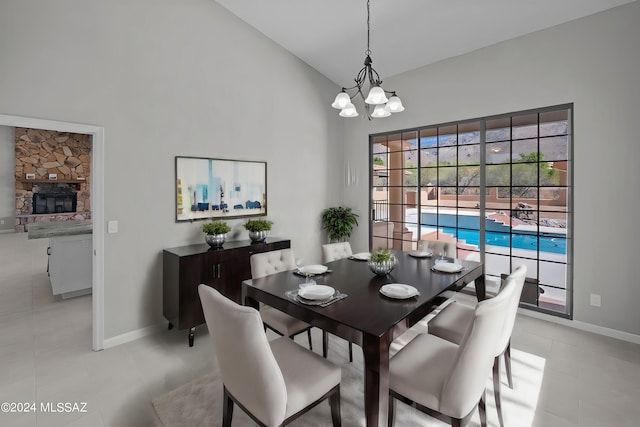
(264, 264)
(336, 251)
(445, 380)
(452, 322)
(273, 382)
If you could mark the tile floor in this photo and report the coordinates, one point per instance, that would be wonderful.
(46, 356)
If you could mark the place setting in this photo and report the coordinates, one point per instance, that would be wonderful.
(399, 291)
(311, 270)
(310, 293)
(444, 265)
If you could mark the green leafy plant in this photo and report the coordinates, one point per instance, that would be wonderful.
(216, 227)
(381, 255)
(339, 222)
(258, 225)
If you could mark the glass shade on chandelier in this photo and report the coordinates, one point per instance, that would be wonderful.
(376, 98)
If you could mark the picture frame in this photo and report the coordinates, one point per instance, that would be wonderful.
(212, 188)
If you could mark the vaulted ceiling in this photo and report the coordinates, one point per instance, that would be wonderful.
(331, 35)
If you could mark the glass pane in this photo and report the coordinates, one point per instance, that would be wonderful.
(498, 206)
(525, 245)
(469, 155)
(448, 135)
(428, 178)
(469, 218)
(411, 198)
(554, 148)
(524, 174)
(554, 221)
(528, 194)
(498, 130)
(379, 148)
(428, 157)
(497, 264)
(498, 175)
(380, 209)
(394, 142)
(447, 218)
(396, 177)
(525, 150)
(499, 241)
(554, 123)
(525, 126)
(468, 176)
(380, 175)
(447, 176)
(447, 155)
(428, 138)
(381, 159)
(448, 197)
(469, 133)
(429, 217)
(554, 274)
(411, 176)
(499, 152)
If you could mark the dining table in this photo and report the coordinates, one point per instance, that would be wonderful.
(366, 317)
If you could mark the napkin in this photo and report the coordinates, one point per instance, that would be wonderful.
(448, 267)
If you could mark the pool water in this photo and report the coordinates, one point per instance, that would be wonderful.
(554, 243)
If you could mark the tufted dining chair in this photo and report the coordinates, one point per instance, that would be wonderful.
(336, 251)
(264, 264)
(273, 382)
(445, 380)
(451, 323)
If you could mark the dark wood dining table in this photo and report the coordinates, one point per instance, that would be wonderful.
(366, 317)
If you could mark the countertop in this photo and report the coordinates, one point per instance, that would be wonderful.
(44, 230)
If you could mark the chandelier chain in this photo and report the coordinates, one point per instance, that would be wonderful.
(368, 51)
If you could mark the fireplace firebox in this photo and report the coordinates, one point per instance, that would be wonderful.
(46, 203)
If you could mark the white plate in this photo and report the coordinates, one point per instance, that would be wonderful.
(362, 256)
(317, 292)
(448, 267)
(313, 269)
(399, 291)
(420, 254)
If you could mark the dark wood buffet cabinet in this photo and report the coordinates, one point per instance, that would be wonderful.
(185, 267)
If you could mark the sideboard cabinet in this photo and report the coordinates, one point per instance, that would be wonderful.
(186, 267)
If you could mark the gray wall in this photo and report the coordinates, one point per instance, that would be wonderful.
(592, 62)
(7, 179)
(169, 78)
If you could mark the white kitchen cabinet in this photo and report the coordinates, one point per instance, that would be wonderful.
(70, 265)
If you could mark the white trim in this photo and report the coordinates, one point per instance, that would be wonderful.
(134, 335)
(583, 326)
(97, 206)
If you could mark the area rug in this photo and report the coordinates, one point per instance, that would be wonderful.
(199, 402)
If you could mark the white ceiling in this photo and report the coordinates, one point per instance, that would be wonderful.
(330, 35)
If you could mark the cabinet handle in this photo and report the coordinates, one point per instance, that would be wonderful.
(49, 250)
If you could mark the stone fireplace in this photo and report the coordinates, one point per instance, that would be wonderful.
(52, 177)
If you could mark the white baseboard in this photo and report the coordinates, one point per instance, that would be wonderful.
(583, 326)
(133, 335)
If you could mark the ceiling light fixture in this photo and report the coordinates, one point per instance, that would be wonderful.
(377, 96)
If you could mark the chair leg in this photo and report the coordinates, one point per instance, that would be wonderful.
(350, 351)
(507, 364)
(325, 344)
(391, 421)
(334, 402)
(227, 409)
(482, 409)
(496, 389)
(309, 337)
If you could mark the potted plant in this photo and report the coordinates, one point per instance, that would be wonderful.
(215, 233)
(258, 229)
(382, 261)
(339, 222)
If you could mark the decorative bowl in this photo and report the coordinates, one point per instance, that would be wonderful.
(383, 268)
(215, 240)
(258, 236)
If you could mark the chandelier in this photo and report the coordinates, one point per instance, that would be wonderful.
(377, 96)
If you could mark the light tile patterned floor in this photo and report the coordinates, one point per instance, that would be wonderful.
(45, 356)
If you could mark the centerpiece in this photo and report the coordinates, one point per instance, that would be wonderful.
(382, 261)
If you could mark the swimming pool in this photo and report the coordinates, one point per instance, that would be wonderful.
(547, 242)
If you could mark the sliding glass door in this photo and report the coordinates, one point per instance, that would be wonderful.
(500, 187)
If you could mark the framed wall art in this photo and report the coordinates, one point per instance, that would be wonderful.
(218, 188)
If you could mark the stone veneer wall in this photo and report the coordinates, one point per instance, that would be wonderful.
(42, 152)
